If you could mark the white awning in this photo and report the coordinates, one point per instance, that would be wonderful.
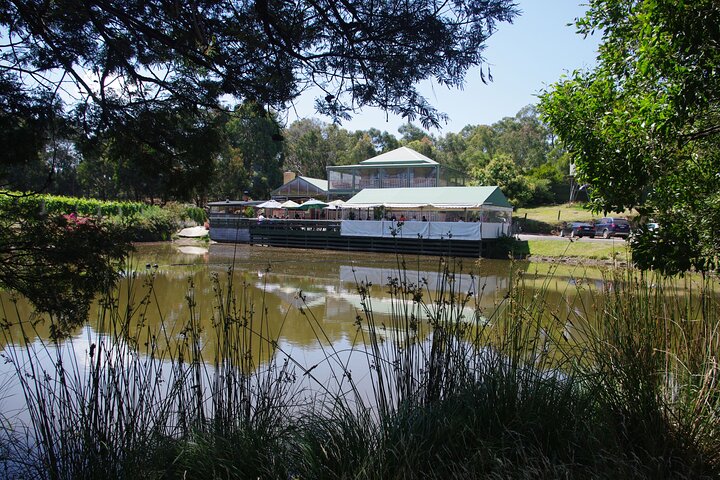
(422, 206)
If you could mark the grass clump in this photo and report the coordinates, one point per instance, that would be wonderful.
(617, 380)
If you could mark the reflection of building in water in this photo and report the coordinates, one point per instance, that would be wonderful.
(433, 281)
(335, 308)
(293, 295)
(390, 306)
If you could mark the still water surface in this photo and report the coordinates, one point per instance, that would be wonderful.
(308, 300)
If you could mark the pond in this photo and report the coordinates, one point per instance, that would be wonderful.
(235, 340)
(302, 304)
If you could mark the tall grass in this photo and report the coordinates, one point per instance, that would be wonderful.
(618, 380)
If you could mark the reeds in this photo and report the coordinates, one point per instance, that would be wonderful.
(614, 380)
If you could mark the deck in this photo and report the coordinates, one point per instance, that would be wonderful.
(326, 234)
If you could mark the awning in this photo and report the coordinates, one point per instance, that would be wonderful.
(435, 198)
(417, 206)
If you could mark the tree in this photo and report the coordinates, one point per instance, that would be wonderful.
(383, 141)
(164, 152)
(311, 145)
(504, 172)
(251, 154)
(58, 262)
(450, 149)
(362, 149)
(115, 55)
(424, 146)
(644, 126)
(523, 136)
(411, 133)
(254, 135)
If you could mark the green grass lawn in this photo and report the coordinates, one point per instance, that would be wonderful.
(546, 219)
(586, 249)
(549, 214)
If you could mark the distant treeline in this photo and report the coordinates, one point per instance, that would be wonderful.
(227, 154)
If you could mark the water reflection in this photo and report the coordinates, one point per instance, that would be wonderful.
(286, 287)
(290, 285)
(301, 304)
(303, 300)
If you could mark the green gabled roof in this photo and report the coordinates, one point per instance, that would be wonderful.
(399, 156)
(437, 197)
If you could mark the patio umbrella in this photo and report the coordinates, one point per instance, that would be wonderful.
(270, 204)
(312, 204)
(335, 205)
(289, 204)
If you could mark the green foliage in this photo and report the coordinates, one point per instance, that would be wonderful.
(59, 262)
(311, 146)
(59, 252)
(149, 225)
(505, 173)
(531, 225)
(251, 51)
(252, 155)
(411, 133)
(643, 126)
(52, 204)
(196, 214)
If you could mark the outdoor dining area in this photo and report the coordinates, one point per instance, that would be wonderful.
(310, 209)
(458, 213)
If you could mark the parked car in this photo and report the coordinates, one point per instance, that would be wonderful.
(577, 229)
(612, 227)
(652, 226)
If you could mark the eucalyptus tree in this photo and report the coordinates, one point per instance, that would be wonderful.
(252, 156)
(311, 145)
(643, 127)
(107, 57)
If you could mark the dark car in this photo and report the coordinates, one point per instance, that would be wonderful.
(577, 229)
(612, 227)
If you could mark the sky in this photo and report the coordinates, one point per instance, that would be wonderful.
(524, 58)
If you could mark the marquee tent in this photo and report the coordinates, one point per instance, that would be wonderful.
(431, 198)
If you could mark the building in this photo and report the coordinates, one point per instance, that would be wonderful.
(467, 213)
(300, 188)
(399, 168)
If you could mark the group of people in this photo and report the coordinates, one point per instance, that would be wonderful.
(262, 217)
(403, 219)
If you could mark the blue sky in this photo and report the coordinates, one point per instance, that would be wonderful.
(524, 58)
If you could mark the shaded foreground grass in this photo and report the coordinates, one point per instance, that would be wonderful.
(621, 383)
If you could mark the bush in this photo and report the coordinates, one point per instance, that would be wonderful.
(153, 224)
(529, 225)
(141, 222)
